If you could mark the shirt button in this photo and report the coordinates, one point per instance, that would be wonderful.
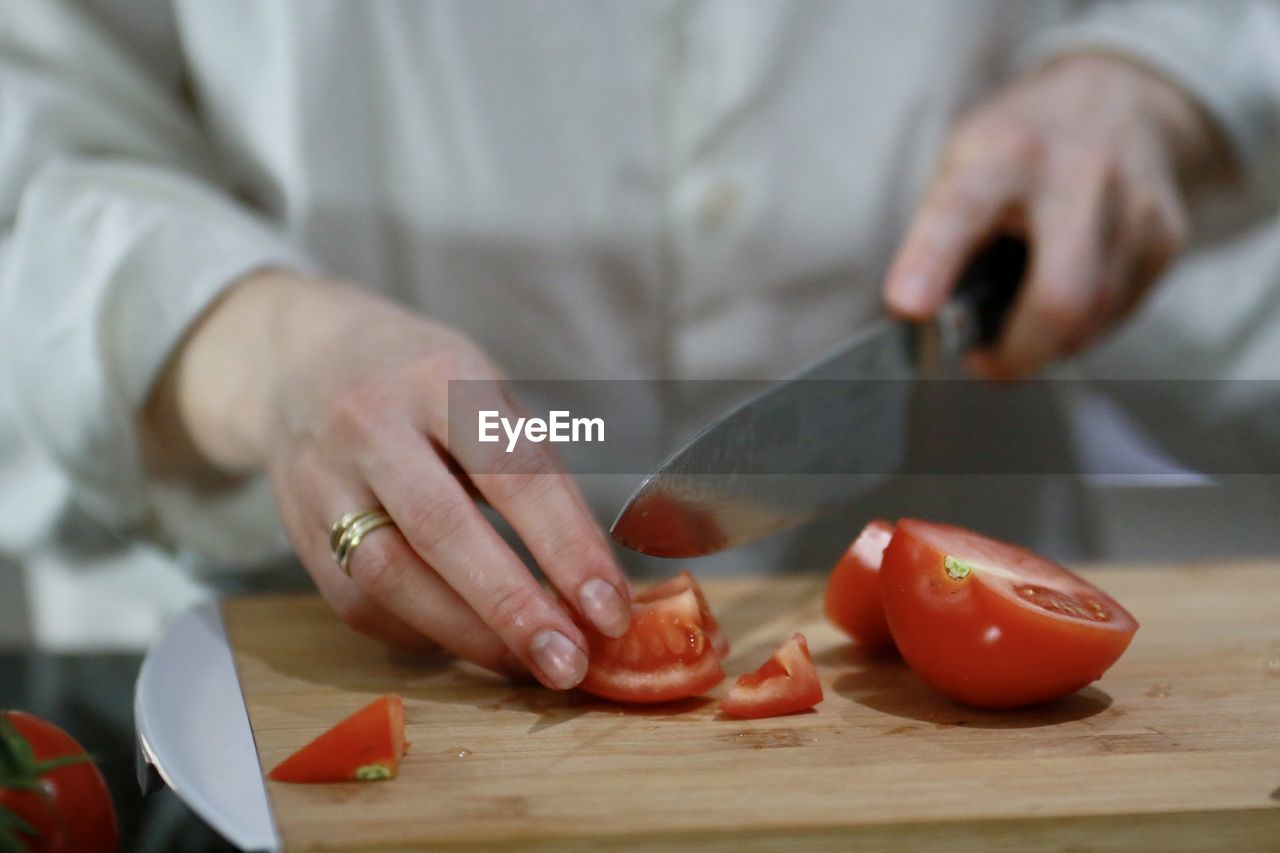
(718, 206)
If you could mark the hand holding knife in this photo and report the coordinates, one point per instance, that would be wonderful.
(785, 456)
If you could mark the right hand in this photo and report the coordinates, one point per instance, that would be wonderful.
(343, 398)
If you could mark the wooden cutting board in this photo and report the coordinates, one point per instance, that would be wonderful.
(1177, 748)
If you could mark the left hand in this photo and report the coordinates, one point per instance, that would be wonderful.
(1091, 158)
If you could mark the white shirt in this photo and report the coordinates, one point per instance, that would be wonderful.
(589, 189)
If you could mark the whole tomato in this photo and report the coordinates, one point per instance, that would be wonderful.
(52, 797)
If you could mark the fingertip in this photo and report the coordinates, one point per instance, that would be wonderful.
(560, 663)
(912, 296)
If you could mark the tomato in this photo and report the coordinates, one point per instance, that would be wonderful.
(852, 602)
(365, 746)
(52, 797)
(678, 584)
(994, 625)
(785, 684)
(671, 651)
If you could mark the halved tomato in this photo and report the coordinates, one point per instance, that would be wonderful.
(787, 683)
(669, 652)
(994, 625)
(852, 602)
(365, 746)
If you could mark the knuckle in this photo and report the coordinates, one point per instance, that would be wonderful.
(580, 550)
(433, 518)
(459, 360)
(1017, 143)
(374, 570)
(509, 610)
(527, 464)
(1092, 164)
(357, 412)
(957, 200)
(1004, 138)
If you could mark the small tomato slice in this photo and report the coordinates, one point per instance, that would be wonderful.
(853, 602)
(994, 625)
(668, 653)
(365, 746)
(787, 683)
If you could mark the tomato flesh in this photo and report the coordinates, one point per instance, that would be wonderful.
(853, 602)
(671, 651)
(365, 746)
(678, 584)
(73, 809)
(786, 684)
(994, 625)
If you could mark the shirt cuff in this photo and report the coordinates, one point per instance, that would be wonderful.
(108, 265)
(1225, 54)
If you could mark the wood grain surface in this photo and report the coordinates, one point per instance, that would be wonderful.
(1177, 748)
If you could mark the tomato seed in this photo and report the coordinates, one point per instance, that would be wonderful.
(1064, 603)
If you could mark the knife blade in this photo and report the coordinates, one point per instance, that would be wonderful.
(819, 439)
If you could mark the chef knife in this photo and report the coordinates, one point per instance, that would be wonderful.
(820, 439)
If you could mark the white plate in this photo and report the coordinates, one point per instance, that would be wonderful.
(194, 730)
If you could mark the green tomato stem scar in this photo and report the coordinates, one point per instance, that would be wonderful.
(373, 772)
(956, 569)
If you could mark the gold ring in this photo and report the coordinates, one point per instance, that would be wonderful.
(348, 531)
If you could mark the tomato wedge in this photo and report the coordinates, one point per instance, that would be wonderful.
(787, 683)
(676, 585)
(994, 625)
(853, 602)
(671, 651)
(365, 746)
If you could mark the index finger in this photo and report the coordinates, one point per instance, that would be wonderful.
(445, 529)
(527, 485)
(966, 206)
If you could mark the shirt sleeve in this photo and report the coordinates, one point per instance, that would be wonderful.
(119, 234)
(1225, 53)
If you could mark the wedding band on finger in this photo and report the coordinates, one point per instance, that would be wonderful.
(348, 531)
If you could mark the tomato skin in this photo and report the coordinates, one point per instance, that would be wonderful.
(77, 814)
(978, 640)
(671, 651)
(41, 815)
(364, 746)
(786, 683)
(853, 601)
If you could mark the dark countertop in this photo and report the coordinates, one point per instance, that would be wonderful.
(91, 696)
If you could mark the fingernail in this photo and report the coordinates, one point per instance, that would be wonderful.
(561, 661)
(601, 604)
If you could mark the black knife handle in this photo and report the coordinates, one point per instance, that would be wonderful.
(985, 292)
